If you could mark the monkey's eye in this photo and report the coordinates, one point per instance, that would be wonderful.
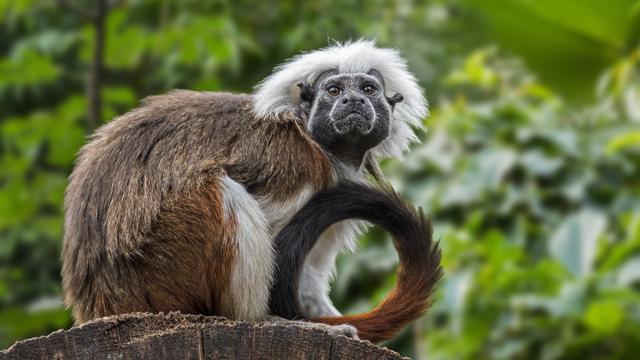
(334, 91)
(368, 90)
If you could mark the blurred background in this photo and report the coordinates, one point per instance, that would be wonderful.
(530, 166)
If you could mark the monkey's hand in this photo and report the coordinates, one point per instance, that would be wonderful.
(342, 330)
(316, 304)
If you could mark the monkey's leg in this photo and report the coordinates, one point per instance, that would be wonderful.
(319, 269)
(255, 257)
(186, 260)
(314, 284)
(209, 252)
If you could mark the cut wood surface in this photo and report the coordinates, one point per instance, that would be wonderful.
(179, 336)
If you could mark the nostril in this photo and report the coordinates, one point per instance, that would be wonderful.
(344, 101)
(361, 101)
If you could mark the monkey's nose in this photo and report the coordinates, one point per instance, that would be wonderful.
(353, 99)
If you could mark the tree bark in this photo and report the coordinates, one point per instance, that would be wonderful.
(179, 336)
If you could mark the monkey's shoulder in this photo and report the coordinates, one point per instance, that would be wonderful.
(214, 111)
(203, 101)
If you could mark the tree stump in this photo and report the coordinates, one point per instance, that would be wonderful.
(179, 336)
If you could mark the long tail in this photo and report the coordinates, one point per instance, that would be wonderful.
(418, 272)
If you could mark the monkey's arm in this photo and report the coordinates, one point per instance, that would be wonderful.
(319, 268)
(313, 293)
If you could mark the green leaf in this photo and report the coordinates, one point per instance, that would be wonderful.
(456, 290)
(624, 141)
(49, 43)
(16, 323)
(125, 43)
(539, 164)
(604, 316)
(492, 166)
(12, 10)
(119, 95)
(629, 273)
(574, 243)
(27, 69)
(64, 142)
(475, 71)
(569, 43)
(17, 204)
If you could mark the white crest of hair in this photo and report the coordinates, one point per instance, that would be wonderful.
(278, 93)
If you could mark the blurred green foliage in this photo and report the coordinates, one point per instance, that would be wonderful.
(530, 168)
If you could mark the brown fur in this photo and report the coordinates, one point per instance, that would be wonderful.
(144, 228)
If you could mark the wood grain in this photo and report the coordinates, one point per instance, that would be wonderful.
(179, 336)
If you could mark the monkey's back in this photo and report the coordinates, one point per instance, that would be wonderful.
(135, 238)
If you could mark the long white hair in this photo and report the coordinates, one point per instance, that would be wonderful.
(278, 93)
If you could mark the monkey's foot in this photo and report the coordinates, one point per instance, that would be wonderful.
(343, 329)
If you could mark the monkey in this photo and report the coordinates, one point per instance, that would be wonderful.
(174, 205)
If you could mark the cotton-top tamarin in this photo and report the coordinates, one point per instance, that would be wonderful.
(175, 206)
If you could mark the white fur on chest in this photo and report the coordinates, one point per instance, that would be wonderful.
(278, 213)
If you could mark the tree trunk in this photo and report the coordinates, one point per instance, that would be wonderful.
(178, 336)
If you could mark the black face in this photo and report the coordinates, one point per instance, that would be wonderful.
(348, 114)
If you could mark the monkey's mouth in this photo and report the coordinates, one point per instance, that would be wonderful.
(353, 122)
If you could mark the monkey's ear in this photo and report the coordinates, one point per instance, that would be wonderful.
(396, 98)
(307, 93)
